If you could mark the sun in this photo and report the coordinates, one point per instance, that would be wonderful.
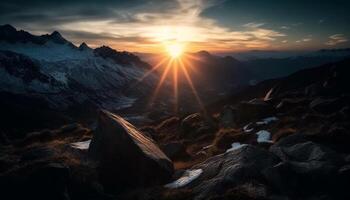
(175, 50)
(176, 65)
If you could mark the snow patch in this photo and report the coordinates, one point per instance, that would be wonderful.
(267, 120)
(247, 128)
(186, 178)
(235, 146)
(264, 136)
(81, 145)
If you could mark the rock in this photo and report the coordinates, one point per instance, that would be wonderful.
(282, 178)
(290, 103)
(245, 191)
(344, 180)
(37, 181)
(70, 127)
(307, 168)
(51, 181)
(345, 111)
(231, 169)
(37, 153)
(189, 122)
(326, 106)
(4, 139)
(336, 136)
(313, 89)
(295, 178)
(173, 121)
(304, 152)
(344, 172)
(253, 110)
(291, 140)
(41, 136)
(225, 138)
(195, 126)
(227, 117)
(125, 157)
(175, 150)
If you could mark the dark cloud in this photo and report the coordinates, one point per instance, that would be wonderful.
(56, 12)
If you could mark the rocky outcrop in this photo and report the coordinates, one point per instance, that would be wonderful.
(196, 125)
(175, 150)
(230, 170)
(253, 109)
(125, 157)
(306, 168)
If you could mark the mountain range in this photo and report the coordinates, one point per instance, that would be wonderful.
(51, 81)
(63, 76)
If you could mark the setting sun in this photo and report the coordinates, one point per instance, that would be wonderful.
(175, 50)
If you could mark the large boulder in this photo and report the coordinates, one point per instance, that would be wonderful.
(307, 168)
(229, 170)
(125, 157)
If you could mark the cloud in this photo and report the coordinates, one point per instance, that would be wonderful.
(336, 39)
(136, 25)
(306, 39)
(253, 25)
(285, 27)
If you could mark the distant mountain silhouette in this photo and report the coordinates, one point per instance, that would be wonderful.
(224, 74)
(267, 68)
(9, 34)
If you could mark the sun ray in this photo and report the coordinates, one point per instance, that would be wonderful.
(189, 80)
(193, 57)
(175, 79)
(159, 64)
(188, 64)
(160, 83)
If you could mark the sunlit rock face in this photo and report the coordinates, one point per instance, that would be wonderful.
(125, 157)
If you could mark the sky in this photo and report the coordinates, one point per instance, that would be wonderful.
(212, 25)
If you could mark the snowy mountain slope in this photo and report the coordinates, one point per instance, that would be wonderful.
(63, 73)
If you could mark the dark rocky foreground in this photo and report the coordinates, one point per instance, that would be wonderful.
(281, 139)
